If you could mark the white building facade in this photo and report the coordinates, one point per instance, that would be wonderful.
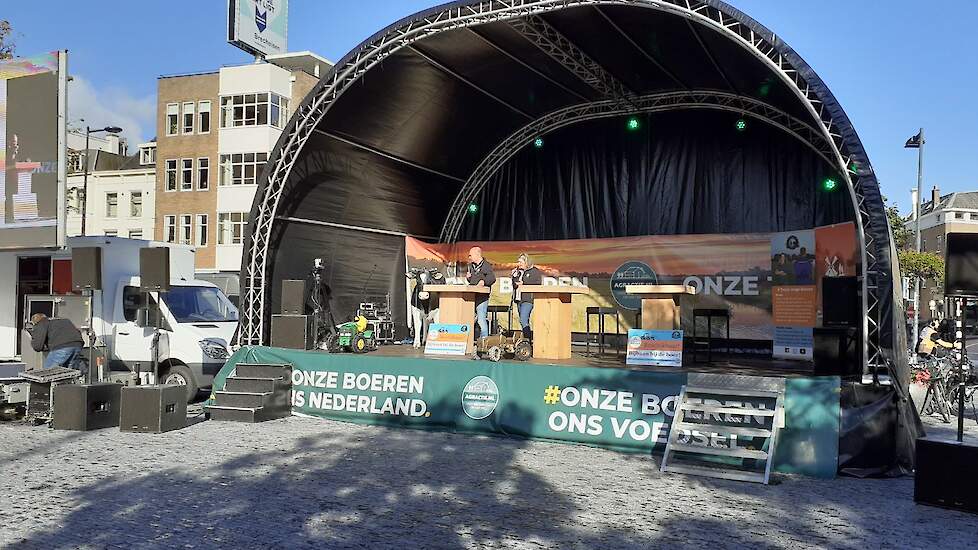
(121, 203)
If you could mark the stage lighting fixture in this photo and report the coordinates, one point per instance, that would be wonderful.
(538, 143)
(741, 125)
(633, 124)
(829, 184)
(473, 208)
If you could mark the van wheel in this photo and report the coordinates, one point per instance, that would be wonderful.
(179, 375)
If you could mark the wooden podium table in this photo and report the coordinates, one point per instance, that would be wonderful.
(456, 305)
(660, 305)
(551, 320)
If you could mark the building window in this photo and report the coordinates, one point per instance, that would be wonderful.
(171, 175)
(231, 227)
(111, 205)
(201, 229)
(135, 233)
(75, 160)
(959, 215)
(111, 233)
(188, 117)
(147, 155)
(170, 229)
(136, 204)
(186, 228)
(241, 168)
(187, 175)
(254, 110)
(203, 174)
(172, 119)
(204, 117)
(973, 216)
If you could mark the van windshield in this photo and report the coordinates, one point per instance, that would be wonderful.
(196, 304)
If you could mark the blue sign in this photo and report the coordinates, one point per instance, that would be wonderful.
(631, 273)
(793, 343)
(660, 348)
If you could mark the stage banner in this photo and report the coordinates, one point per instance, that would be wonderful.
(618, 409)
(661, 348)
(447, 339)
(794, 294)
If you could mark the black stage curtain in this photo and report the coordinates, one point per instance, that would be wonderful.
(680, 173)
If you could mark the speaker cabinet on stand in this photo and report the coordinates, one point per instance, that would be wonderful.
(86, 277)
(154, 276)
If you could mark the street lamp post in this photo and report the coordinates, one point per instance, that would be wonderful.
(84, 201)
(917, 142)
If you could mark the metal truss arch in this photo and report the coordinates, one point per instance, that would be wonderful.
(848, 153)
(651, 103)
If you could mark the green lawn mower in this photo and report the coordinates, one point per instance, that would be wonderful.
(352, 336)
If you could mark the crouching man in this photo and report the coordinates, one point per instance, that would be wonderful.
(61, 339)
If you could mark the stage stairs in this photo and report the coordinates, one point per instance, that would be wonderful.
(726, 426)
(254, 393)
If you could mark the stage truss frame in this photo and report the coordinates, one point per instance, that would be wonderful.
(849, 155)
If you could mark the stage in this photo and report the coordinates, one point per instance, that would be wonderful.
(593, 401)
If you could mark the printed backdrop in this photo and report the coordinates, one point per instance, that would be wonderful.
(736, 272)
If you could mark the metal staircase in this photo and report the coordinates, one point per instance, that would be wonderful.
(726, 426)
(254, 393)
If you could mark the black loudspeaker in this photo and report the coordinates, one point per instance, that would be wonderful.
(293, 297)
(154, 269)
(961, 265)
(292, 331)
(153, 409)
(837, 352)
(85, 407)
(840, 302)
(86, 268)
(945, 475)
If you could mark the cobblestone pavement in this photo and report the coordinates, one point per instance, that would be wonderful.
(303, 483)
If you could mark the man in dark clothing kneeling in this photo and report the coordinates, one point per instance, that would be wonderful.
(61, 339)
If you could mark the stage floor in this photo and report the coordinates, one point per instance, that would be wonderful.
(735, 364)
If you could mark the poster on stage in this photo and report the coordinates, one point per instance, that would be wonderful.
(32, 156)
(659, 348)
(447, 339)
(794, 342)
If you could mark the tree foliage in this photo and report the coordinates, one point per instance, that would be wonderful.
(7, 45)
(902, 235)
(925, 265)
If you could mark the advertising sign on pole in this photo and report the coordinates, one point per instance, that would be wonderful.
(32, 152)
(259, 27)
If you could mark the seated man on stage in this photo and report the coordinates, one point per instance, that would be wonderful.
(525, 274)
(480, 274)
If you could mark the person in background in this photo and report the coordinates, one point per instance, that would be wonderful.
(480, 274)
(525, 274)
(932, 343)
(61, 339)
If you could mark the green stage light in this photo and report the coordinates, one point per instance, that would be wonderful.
(741, 125)
(473, 208)
(633, 124)
(538, 143)
(829, 184)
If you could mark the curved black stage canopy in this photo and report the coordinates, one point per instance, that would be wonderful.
(442, 110)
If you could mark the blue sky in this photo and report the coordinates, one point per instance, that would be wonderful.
(895, 65)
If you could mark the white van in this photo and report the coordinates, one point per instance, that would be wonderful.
(196, 325)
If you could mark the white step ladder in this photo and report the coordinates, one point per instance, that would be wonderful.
(718, 408)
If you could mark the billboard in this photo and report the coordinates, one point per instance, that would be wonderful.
(32, 152)
(259, 27)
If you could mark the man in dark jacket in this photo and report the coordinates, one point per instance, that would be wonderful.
(61, 339)
(480, 274)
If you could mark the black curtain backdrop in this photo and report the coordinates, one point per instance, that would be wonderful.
(681, 173)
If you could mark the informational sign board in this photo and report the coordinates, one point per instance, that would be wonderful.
(32, 152)
(660, 348)
(259, 27)
(447, 339)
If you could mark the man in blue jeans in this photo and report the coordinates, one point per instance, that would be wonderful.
(61, 339)
(480, 273)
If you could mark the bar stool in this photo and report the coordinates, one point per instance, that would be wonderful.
(698, 341)
(601, 313)
(494, 312)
